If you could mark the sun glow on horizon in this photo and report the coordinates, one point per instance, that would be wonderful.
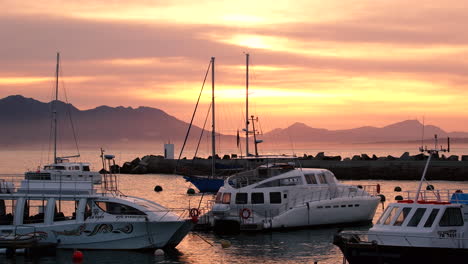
(344, 63)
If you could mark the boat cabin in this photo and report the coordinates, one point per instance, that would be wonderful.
(65, 171)
(266, 176)
(46, 209)
(421, 224)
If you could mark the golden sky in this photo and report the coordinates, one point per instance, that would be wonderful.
(329, 64)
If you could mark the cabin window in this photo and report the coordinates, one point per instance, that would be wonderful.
(59, 167)
(226, 198)
(77, 167)
(7, 211)
(218, 199)
(431, 218)
(118, 209)
(257, 198)
(86, 168)
(241, 198)
(88, 212)
(310, 178)
(452, 217)
(34, 211)
(381, 216)
(65, 210)
(390, 216)
(322, 178)
(402, 216)
(275, 197)
(291, 181)
(414, 221)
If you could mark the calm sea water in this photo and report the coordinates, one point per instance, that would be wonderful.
(298, 246)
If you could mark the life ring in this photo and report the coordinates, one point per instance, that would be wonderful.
(194, 212)
(245, 213)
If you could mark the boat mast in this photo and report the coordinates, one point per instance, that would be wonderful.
(54, 105)
(247, 104)
(213, 135)
(431, 153)
(255, 135)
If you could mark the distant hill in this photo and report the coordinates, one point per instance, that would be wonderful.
(28, 121)
(408, 130)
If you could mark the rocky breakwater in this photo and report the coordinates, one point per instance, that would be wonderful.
(148, 164)
(405, 167)
(364, 166)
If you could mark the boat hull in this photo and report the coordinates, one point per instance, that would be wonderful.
(205, 184)
(320, 213)
(357, 252)
(109, 235)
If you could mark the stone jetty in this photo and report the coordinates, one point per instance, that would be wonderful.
(358, 167)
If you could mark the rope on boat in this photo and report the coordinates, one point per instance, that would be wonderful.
(203, 239)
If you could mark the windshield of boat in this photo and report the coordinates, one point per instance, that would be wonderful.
(51, 167)
(149, 205)
(118, 208)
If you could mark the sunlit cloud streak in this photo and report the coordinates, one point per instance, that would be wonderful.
(312, 58)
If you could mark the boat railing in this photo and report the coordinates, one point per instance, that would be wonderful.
(438, 196)
(371, 189)
(403, 239)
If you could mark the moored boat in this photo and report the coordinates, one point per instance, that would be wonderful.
(279, 195)
(67, 212)
(67, 205)
(426, 227)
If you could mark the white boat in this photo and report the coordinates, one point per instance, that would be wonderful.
(427, 227)
(276, 196)
(67, 205)
(80, 213)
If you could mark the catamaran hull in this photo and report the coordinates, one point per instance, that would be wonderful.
(368, 253)
(326, 212)
(110, 235)
(205, 185)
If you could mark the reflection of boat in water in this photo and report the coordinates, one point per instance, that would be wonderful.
(275, 196)
(66, 205)
(428, 227)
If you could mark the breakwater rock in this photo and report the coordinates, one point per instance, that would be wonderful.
(405, 167)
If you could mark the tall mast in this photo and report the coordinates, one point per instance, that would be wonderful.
(213, 135)
(54, 104)
(247, 104)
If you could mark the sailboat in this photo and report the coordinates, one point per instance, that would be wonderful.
(54, 171)
(209, 184)
(212, 183)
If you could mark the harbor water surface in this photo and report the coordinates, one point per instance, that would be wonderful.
(295, 246)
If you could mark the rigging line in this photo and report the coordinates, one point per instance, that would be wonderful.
(68, 107)
(203, 130)
(51, 128)
(51, 117)
(193, 116)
